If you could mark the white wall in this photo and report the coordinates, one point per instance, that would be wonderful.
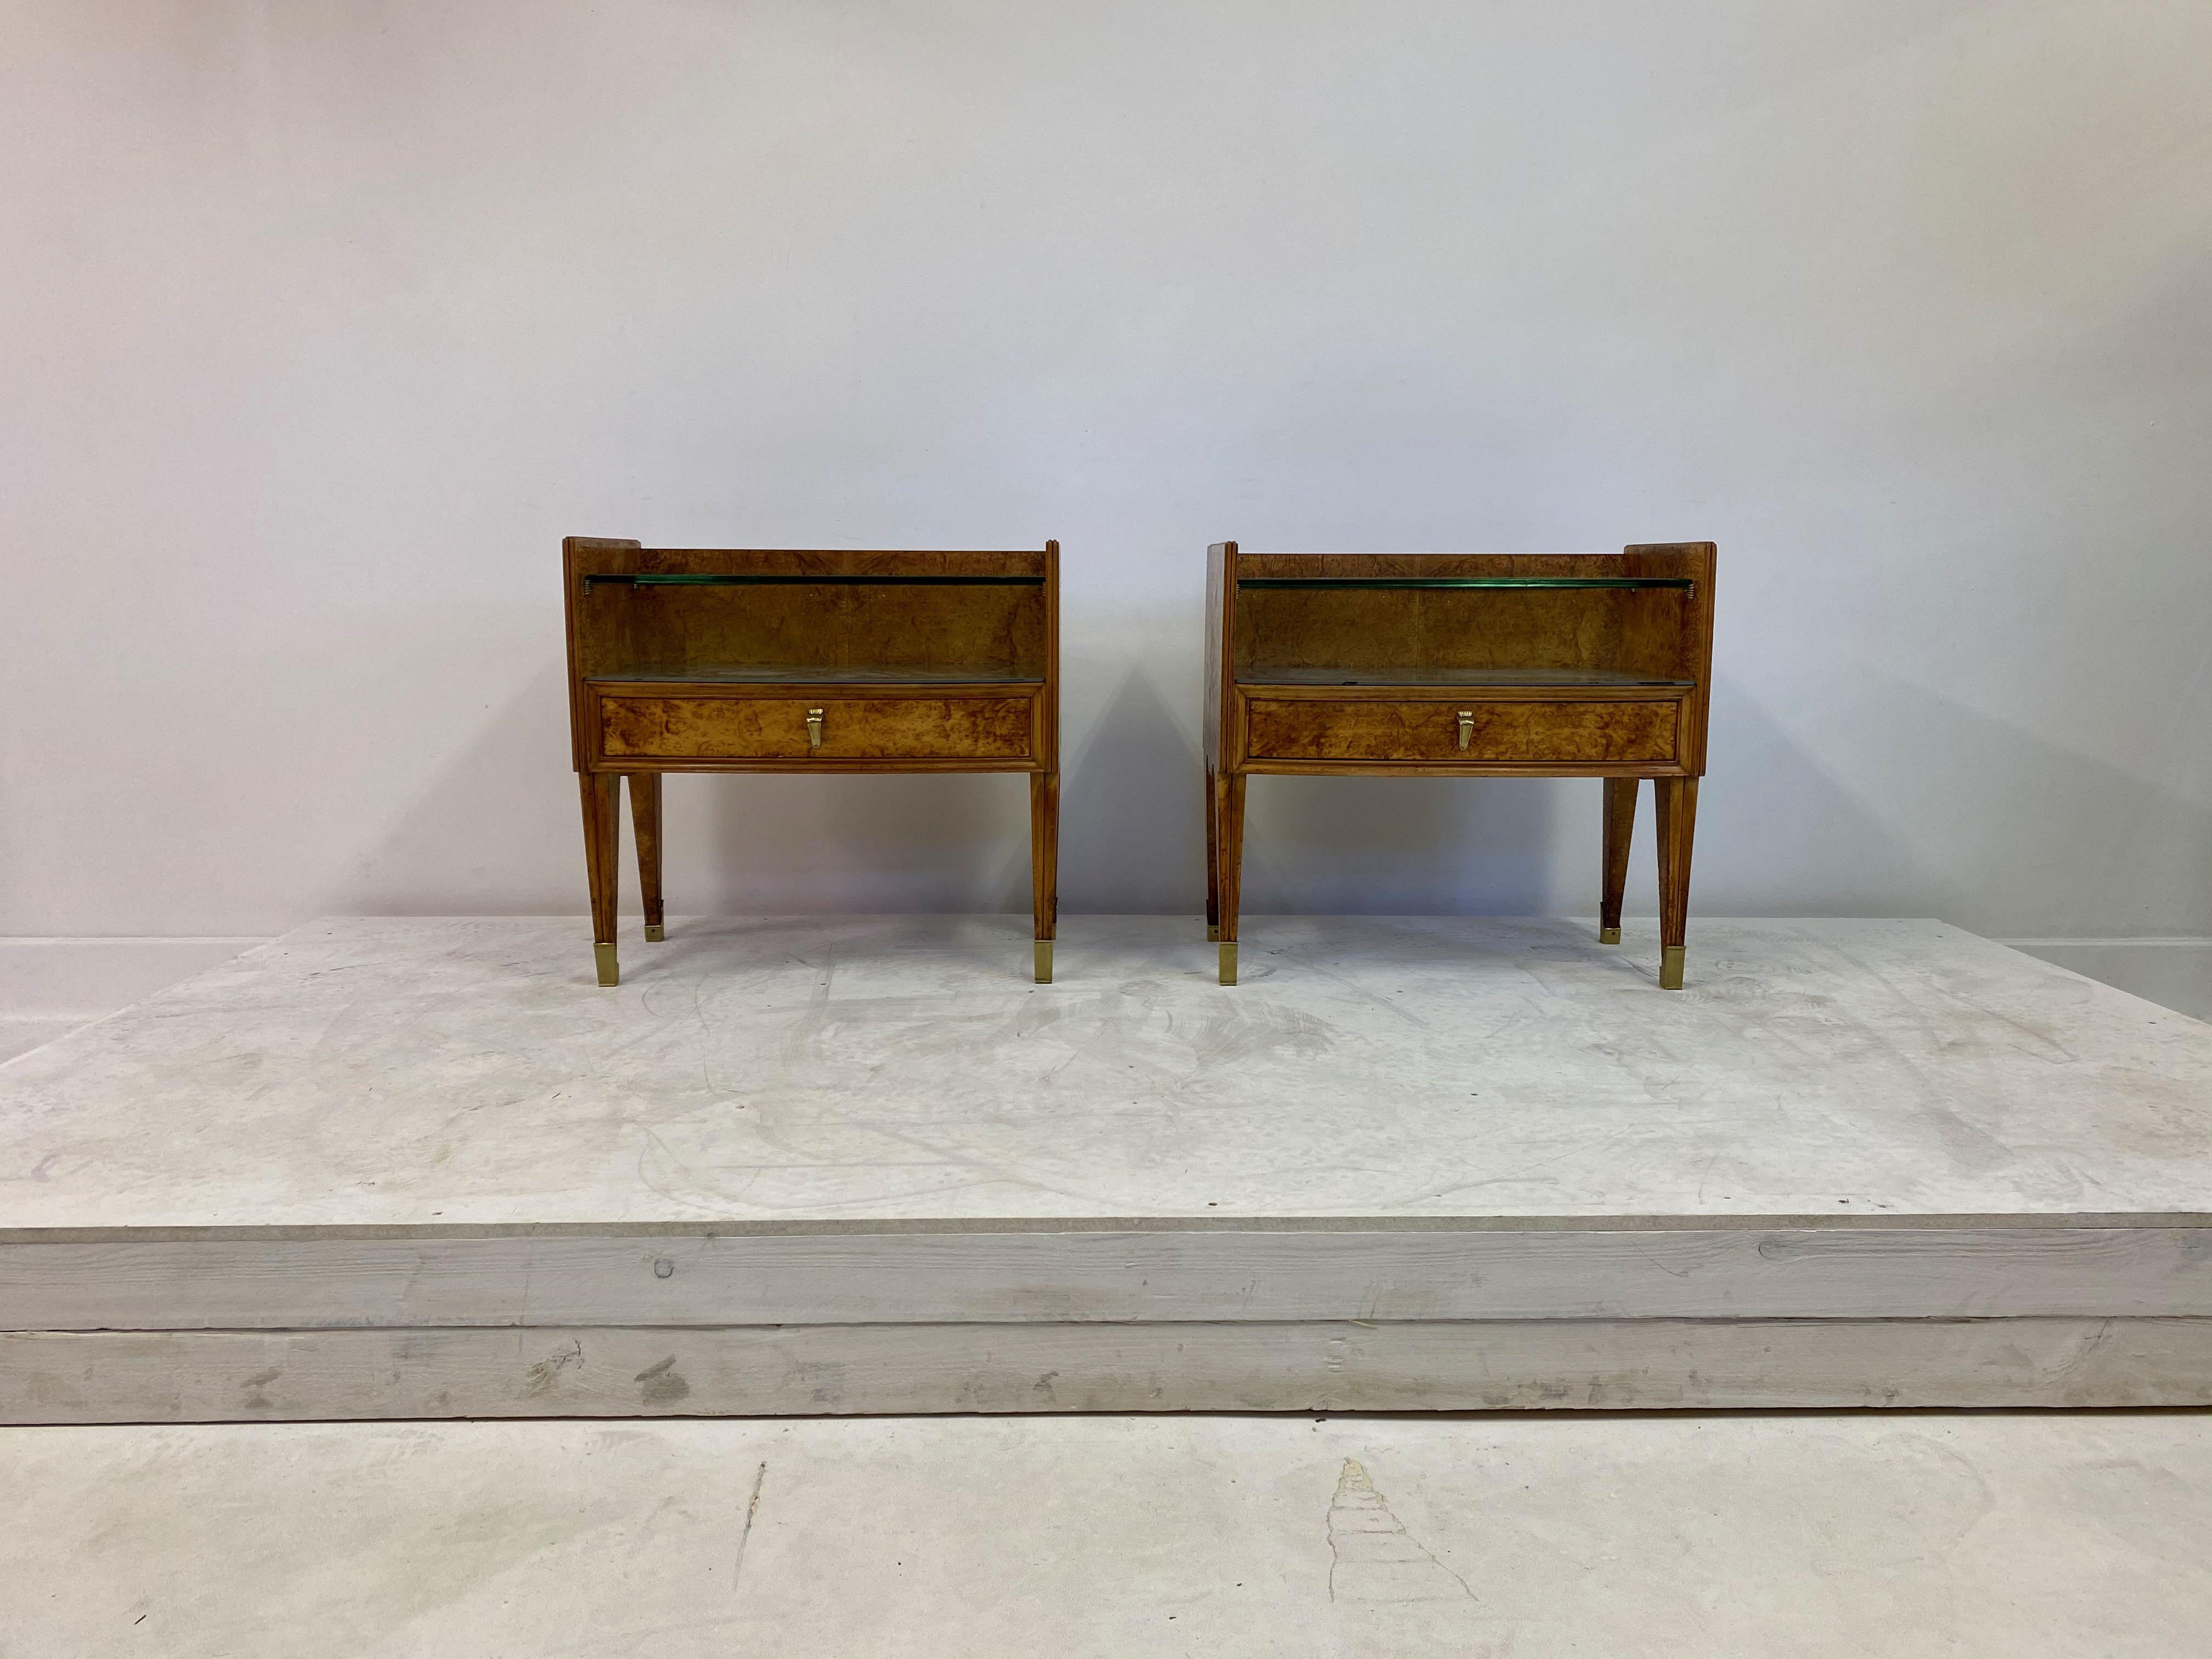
(321, 323)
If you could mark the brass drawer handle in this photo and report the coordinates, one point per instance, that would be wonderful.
(1466, 726)
(814, 730)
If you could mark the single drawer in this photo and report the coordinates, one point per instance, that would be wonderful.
(1520, 731)
(845, 728)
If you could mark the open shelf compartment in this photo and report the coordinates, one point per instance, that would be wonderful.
(1567, 622)
(821, 617)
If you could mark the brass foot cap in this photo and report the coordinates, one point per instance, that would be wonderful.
(654, 932)
(1229, 961)
(1212, 933)
(1043, 948)
(1608, 936)
(1670, 967)
(609, 974)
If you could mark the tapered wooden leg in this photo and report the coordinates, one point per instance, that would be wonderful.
(1229, 839)
(602, 793)
(644, 825)
(1044, 867)
(1619, 831)
(1678, 826)
(1212, 863)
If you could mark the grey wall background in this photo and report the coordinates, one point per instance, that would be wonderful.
(323, 323)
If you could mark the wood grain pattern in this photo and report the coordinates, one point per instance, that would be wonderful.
(1620, 836)
(1677, 805)
(1521, 733)
(917, 661)
(623, 1371)
(1216, 701)
(645, 829)
(1084, 1274)
(1221, 563)
(602, 800)
(618, 630)
(1044, 853)
(853, 728)
(581, 555)
(1211, 820)
(1228, 854)
(1425, 633)
(1677, 639)
(1540, 681)
(1045, 752)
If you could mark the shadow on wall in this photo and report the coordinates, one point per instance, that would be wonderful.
(1993, 827)
(483, 836)
(1404, 846)
(1805, 813)
(1132, 830)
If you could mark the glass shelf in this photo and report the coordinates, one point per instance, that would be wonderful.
(1456, 678)
(816, 674)
(664, 578)
(1465, 581)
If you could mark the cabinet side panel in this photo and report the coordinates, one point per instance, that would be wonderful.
(1678, 633)
(593, 631)
(1047, 747)
(1220, 632)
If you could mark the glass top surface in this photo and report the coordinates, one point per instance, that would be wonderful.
(818, 674)
(1465, 581)
(681, 579)
(1584, 679)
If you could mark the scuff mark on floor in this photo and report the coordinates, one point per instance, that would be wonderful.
(744, 1537)
(1372, 1557)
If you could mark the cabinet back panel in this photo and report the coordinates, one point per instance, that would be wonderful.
(1414, 628)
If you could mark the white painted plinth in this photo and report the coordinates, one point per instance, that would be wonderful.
(427, 1168)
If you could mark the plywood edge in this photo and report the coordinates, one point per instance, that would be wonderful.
(49, 1377)
(1105, 1277)
(819, 1227)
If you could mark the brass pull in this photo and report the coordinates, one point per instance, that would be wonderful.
(1466, 726)
(814, 729)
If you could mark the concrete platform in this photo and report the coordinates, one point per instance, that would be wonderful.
(427, 1168)
(1901, 1535)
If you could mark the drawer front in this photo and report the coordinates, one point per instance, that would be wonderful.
(852, 728)
(1526, 732)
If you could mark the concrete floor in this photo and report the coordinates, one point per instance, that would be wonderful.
(1893, 1535)
(19, 1036)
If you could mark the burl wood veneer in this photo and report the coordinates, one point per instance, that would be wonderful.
(1464, 665)
(750, 659)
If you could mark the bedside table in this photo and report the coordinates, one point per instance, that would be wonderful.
(691, 659)
(1464, 665)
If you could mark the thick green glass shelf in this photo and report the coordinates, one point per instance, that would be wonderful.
(664, 578)
(1465, 581)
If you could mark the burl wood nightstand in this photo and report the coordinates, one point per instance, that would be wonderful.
(1464, 665)
(726, 659)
